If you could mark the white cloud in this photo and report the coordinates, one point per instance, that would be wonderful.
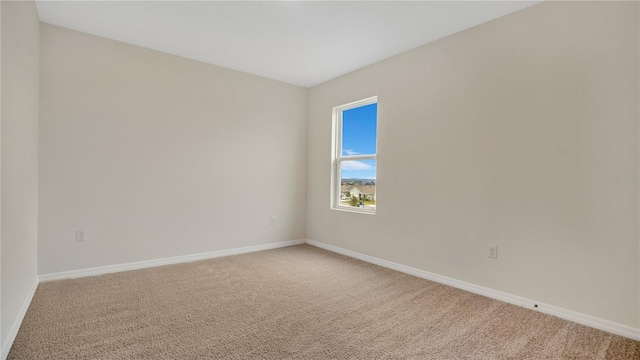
(355, 165)
(351, 152)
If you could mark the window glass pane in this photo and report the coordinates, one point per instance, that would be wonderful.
(359, 130)
(358, 183)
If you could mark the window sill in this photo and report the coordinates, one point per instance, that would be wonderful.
(355, 210)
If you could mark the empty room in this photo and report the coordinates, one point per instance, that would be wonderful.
(200, 180)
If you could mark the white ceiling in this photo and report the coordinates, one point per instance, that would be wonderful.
(299, 42)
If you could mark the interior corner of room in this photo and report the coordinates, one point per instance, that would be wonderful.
(522, 132)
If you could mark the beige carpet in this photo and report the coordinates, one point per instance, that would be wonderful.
(299, 302)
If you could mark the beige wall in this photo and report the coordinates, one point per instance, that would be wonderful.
(156, 156)
(521, 132)
(20, 37)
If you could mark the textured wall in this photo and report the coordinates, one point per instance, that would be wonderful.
(155, 156)
(20, 48)
(521, 132)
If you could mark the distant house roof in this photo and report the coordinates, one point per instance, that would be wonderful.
(367, 189)
(363, 189)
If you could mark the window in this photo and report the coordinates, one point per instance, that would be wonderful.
(354, 153)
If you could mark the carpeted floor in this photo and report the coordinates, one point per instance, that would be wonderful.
(299, 302)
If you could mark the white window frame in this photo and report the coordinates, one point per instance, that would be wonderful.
(337, 158)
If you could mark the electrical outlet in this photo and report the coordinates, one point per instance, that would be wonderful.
(272, 220)
(493, 251)
(80, 236)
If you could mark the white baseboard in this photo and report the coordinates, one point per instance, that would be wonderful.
(165, 261)
(583, 319)
(6, 347)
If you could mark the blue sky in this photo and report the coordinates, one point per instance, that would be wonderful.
(359, 138)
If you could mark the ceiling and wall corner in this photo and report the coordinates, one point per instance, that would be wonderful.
(298, 42)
